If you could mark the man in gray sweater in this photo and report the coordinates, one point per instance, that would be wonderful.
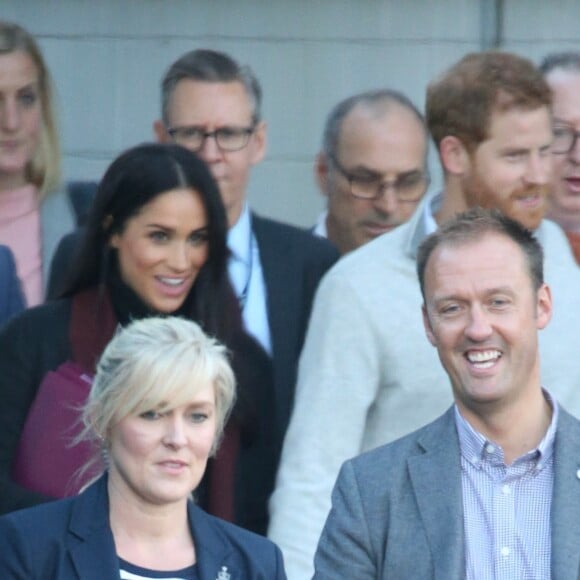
(367, 374)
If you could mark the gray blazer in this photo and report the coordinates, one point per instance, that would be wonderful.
(57, 218)
(397, 511)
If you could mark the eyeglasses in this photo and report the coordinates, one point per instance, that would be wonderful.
(408, 187)
(226, 138)
(565, 138)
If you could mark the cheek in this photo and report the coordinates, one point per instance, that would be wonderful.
(34, 126)
(135, 258)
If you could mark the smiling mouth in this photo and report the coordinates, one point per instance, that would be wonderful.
(173, 282)
(483, 359)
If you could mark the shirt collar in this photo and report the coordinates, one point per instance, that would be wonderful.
(239, 236)
(474, 446)
(429, 210)
(320, 227)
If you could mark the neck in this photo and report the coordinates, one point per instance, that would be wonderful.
(333, 235)
(453, 200)
(568, 221)
(148, 535)
(133, 517)
(12, 181)
(233, 214)
(517, 428)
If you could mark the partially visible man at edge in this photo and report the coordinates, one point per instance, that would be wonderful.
(562, 72)
(366, 375)
(372, 167)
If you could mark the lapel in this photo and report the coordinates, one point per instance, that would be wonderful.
(416, 225)
(441, 505)
(213, 550)
(566, 500)
(56, 219)
(90, 540)
(281, 280)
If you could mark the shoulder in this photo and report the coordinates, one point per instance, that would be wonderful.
(389, 461)
(294, 237)
(250, 550)
(38, 525)
(41, 319)
(7, 264)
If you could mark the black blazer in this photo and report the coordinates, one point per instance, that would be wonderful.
(71, 539)
(293, 262)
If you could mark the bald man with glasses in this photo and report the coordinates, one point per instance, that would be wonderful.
(372, 168)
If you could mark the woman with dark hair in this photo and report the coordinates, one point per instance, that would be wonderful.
(155, 244)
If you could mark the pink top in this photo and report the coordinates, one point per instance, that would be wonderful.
(20, 230)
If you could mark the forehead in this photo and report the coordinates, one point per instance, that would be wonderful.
(475, 264)
(17, 69)
(565, 87)
(526, 128)
(209, 104)
(387, 137)
(179, 204)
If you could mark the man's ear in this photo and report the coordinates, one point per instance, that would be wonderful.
(427, 326)
(454, 155)
(544, 306)
(161, 133)
(321, 169)
(259, 143)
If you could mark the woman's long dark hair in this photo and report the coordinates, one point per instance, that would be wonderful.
(133, 180)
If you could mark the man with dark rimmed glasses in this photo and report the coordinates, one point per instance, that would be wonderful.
(212, 105)
(372, 167)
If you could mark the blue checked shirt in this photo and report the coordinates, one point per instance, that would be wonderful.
(506, 508)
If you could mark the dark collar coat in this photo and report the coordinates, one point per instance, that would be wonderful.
(71, 539)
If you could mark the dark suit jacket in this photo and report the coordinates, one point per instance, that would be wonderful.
(11, 297)
(397, 511)
(72, 539)
(293, 262)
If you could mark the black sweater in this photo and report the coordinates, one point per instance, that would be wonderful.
(37, 342)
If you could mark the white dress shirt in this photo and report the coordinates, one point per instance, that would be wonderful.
(247, 278)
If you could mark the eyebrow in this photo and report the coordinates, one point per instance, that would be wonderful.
(172, 229)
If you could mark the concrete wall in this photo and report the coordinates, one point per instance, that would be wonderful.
(108, 56)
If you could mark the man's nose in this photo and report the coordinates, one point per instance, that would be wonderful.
(478, 327)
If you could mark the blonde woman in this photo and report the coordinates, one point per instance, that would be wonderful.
(158, 405)
(34, 213)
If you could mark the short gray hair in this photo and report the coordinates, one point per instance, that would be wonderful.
(374, 99)
(212, 67)
(156, 363)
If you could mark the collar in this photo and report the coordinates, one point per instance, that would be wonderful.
(320, 228)
(239, 236)
(430, 208)
(475, 447)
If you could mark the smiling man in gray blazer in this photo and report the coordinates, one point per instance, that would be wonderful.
(491, 489)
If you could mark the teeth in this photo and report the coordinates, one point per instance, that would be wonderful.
(483, 359)
(172, 281)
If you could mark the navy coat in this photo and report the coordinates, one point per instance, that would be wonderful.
(71, 539)
(11, 297)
